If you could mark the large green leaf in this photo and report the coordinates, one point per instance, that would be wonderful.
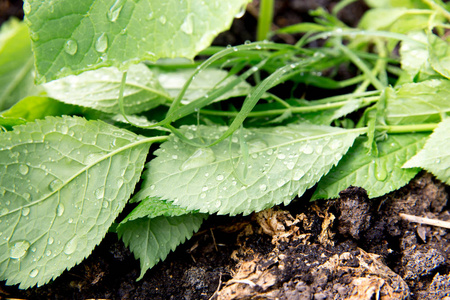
(99, 90)
(416, 103)
(71, 37)
(63, 181)
(152, 239)
(16, 63)
(378, 175)
(435, 156)
(257, 169)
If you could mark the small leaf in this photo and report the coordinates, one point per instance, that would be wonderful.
(377, 175)
(282, 162)
(206, 80)
(64, 181)
(69, 39)
(439, 54)
(416, 103)
(435, 156)
(16, 64)
(38, 107)
(99, 90)
(153, 207)
(152, 239)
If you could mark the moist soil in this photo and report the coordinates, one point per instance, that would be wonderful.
(348, 248)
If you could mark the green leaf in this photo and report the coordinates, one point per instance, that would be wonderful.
(415, 56)
(282, 162)
(417, 103)
(439, 54)
(99, 90)
(435, 156)
(38, 107)
(400, 19)
(63, 182)
(153, 207)
(377, 175)
(152, 239)
(69, 38)
(205, 81)
(16, 64)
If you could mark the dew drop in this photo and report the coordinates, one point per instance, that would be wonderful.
(281, 156)
(189, 135)
(202, 195)
(99, 193)
(307, 149)
(298, 174)
(4, 211)
(335, 144)
(269, 152)
(71, 47)
(437, 161)
(19, 249)
(188, 24)
(319, 149)
(92, 158)
(114, 11)
(204, 189)
(26, 7)
(23, 169)
(150, 16)
(290, 165)
(34, 273)
(200, 158)
(25, 211)
(105, 204)
(162, 20)
(219, 177)
(71, 246)
(263, 187)
(26, 196)
(48, 252)
(218, 204)
(50, 240)
(281, 182)
(174, 156)
(60, 210)
(380, 172)
(119, 182)
(240, 13)
(152, 187)
(55, 184)
(101, 44)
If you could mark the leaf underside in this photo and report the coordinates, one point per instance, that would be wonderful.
(62, 183)
(71, 37)
(282, 162)
(435, 156)
(377, 175)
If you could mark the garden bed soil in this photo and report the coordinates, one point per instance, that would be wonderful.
(347, 248)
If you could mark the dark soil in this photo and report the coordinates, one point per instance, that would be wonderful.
(348, 248)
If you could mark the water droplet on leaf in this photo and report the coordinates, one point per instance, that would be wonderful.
(200, 158)
(55, 184)
(114, 11)
(281, 156)
(34, 273)
(380, 172)
(99, 193)
(219, 177)
(241, 12)
(23, 169)
(25, 211)
(19, 249)
(188, 24)
(26, 7)
(162, 20)
(71, 47)
(59, 210)
(50, 240)
(101, 44)
(71, 246)
(263, 187)
(298, 174)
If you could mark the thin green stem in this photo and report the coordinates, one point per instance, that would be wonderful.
(264, 19)
(439, 8)
(293, 109)
(408, 128)
(362, 66)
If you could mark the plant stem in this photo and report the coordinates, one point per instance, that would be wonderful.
(293, 109)
(264, 19)
(408, 128)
